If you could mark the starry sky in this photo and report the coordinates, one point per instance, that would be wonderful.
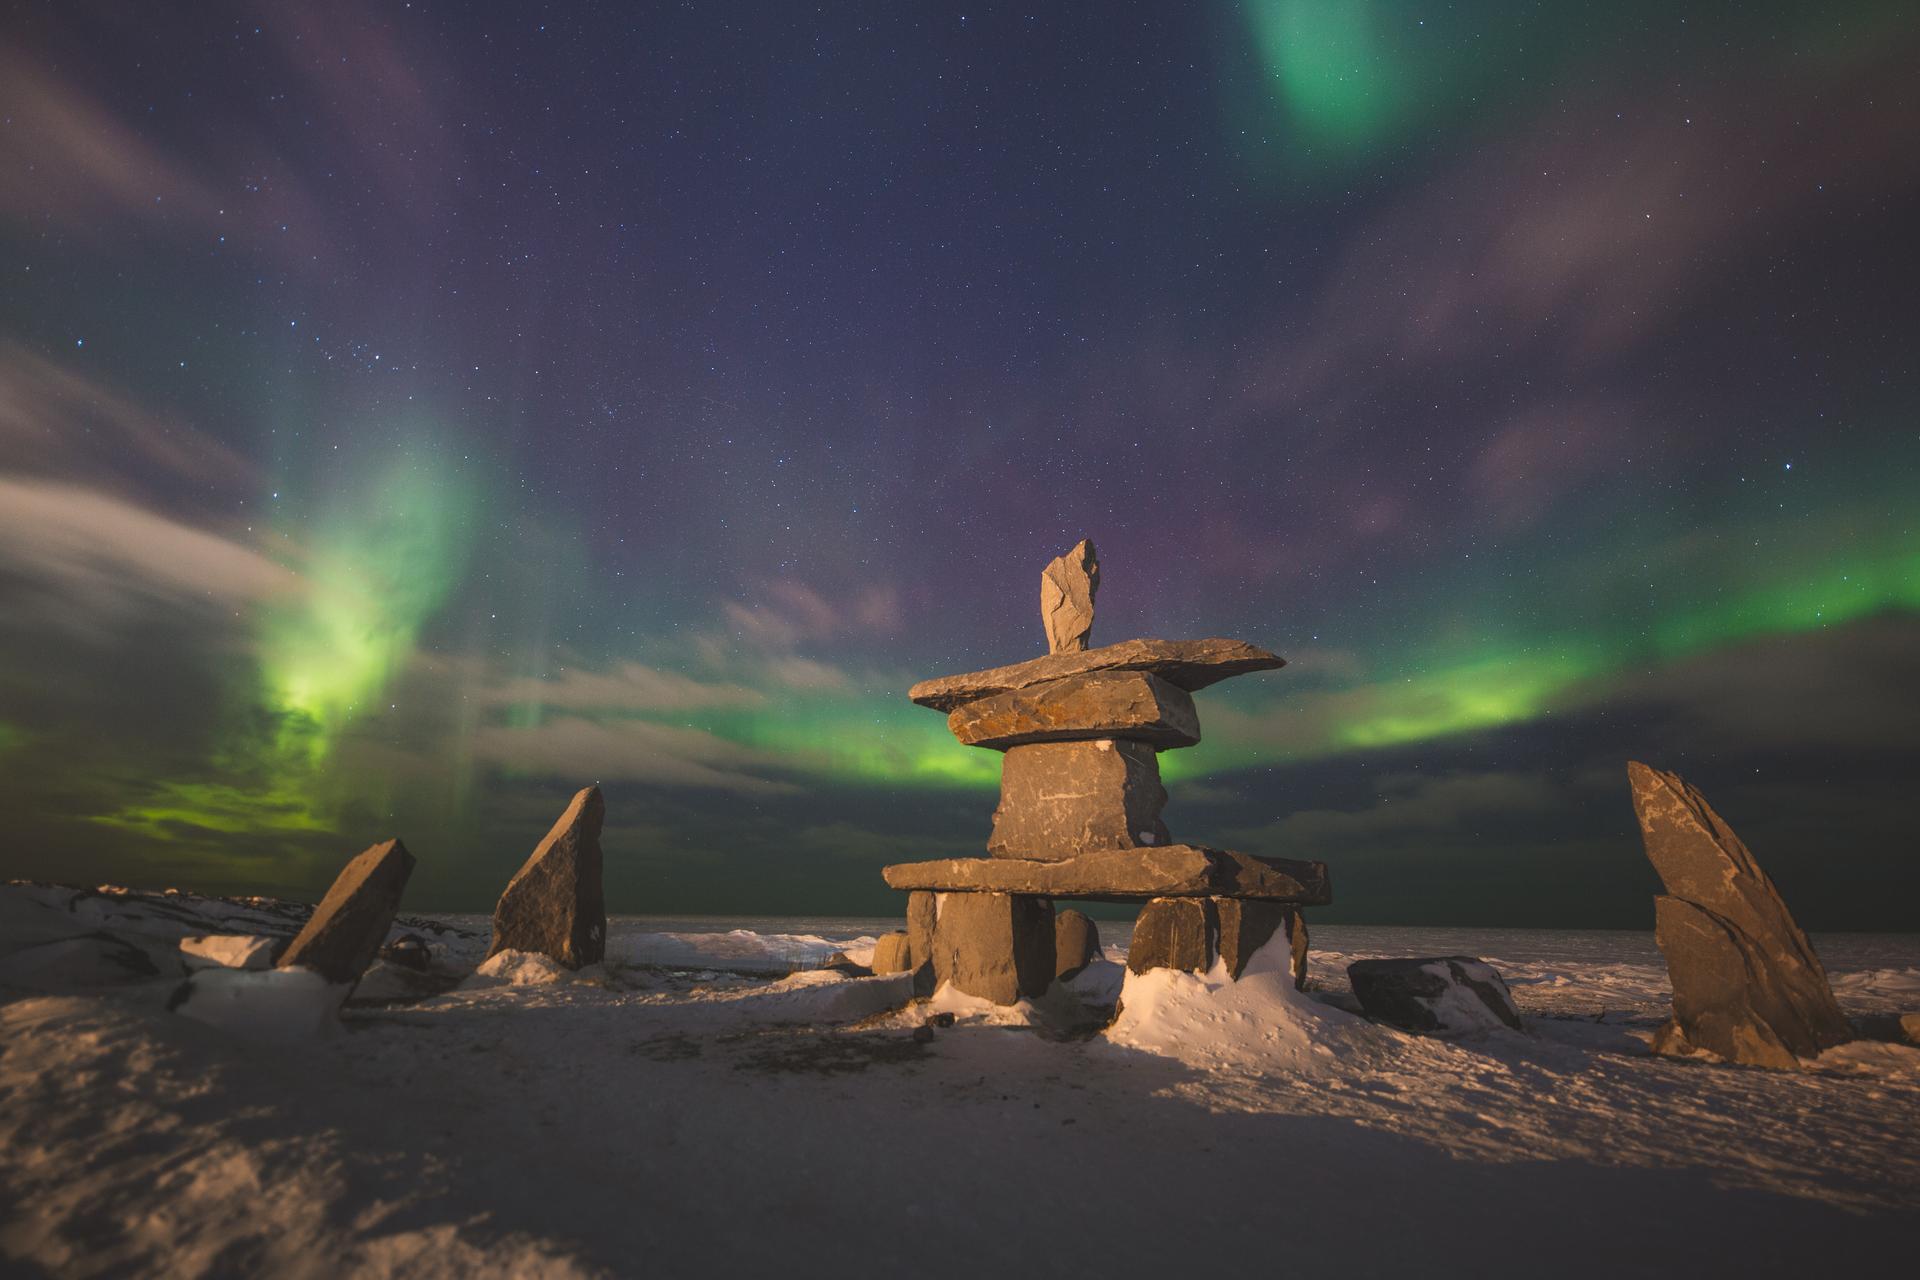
(410, 413)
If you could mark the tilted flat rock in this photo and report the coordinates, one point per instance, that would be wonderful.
(1136, 705)
(1061, 799)
(1076, 942)
(994, 945)
(1067, 588)
(1185, 664)
(1747, 984)
(554, 904)
(1121, 875)
(1174, 933)
(1439, 995)
(344, 934)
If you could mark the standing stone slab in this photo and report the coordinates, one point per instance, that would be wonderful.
(554, 905)
(1076, 943)
(1067, 588)
(1136, 705)
(1175, 933)
(1246, 925)
(998, 946)
(345, 931)
(1747, 984)
(1059, 799)
(1440, 995)
(1298, 938)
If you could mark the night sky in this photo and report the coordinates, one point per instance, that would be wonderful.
(410, 413)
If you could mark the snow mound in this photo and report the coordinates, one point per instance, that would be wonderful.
(272, 1004)
(520, 969)
(736, 949)
(1259, 1022)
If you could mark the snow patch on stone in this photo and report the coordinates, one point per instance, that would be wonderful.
(227, 951)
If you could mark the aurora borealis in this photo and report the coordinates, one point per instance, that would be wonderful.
(410, 413)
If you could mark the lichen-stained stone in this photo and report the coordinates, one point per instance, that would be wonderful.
(1136, 705)
(1185, 664)
(1174, 933)
(1067, 588)
(1059, 799)
(997, 946)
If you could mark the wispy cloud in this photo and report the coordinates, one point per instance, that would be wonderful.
(573, 747)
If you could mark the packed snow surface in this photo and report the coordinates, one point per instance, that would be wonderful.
(710, 1100)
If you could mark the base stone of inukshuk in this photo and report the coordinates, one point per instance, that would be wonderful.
(1080, 815)
(344, 934)
(998, 946)
(554, 905)
(1747, 984)
(1058, 799)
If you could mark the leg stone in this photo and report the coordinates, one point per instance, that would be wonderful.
(998, 946)
(921, 909)
(1246, 925)
(1175, 933)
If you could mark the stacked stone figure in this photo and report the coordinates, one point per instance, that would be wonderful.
(1080, 811)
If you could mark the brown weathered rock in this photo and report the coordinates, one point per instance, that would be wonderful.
(997, 946)
(344, 934)
(553, 905)
(1747, 984)
(1059, 799)
(1076, 942)
(1185, 664)
(1121, 875)
(1246, 925)
(890, 953)
(922, 908)
(1067, 588)
(1135, 705)
(1298, 938)
(1174, 933)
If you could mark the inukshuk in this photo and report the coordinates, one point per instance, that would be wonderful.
(1080, 812)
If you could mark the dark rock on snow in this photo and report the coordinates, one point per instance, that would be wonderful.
(1076, 943)
(1747, 984)
(345, 931)
(409, 951)
(553, 905)
(1440, 994)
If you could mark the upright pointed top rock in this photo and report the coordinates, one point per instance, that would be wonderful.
(554, 905)
(1067, 588)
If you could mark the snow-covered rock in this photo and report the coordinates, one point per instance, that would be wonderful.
(273, 1004)
(520, 969)
(1445, 995)
(227, 951)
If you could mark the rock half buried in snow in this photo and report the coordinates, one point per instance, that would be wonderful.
(1441, 995)
(1067, 588)
(345, 931)
(997, 946)
(554, 904)
(283, 1004)
(1076, 942)
(1058, 799)
(1136, 705)
(1185, 664)
(1746, 982)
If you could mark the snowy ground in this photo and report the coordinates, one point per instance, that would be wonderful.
(659, 1115)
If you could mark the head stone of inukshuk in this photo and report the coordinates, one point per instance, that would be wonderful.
(1067, 588)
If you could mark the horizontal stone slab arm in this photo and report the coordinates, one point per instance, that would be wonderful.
(1137, 705)
(1126, 875)
(1185, 664)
